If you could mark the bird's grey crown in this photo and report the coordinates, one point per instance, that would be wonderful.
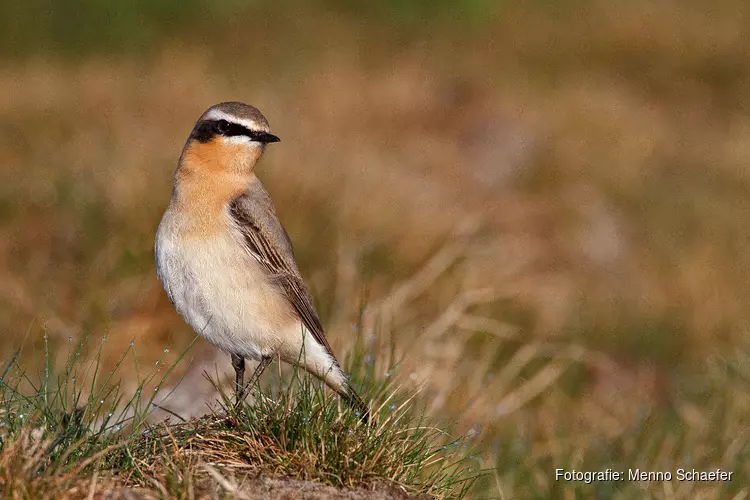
(237, 112)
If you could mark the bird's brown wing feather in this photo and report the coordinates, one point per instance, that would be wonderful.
(254, 216)
(270, 245)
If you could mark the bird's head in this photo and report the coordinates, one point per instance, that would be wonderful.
(229, 137)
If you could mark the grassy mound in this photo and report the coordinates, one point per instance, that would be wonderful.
(74, 433)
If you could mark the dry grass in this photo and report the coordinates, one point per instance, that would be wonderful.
(540, 217)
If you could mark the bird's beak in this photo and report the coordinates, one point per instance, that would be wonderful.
(265, 137)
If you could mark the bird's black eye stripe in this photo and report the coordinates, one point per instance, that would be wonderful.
(230, 129)
(207, 129)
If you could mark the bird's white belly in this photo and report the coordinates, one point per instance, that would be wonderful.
(222, 292)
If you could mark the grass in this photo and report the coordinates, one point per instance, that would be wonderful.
(662, 439)
(58, 430)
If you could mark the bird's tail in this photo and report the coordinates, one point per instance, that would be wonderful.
(347, 392)
(318, 360)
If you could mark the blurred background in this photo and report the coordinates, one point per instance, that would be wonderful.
(538, 209)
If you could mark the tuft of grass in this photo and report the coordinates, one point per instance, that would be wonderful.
(304, 435)
(59, 432)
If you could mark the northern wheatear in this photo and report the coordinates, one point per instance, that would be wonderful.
(227, 263)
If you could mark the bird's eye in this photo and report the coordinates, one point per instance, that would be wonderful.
(223, 126)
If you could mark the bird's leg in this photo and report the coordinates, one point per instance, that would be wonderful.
(238, 363)
(264, 362)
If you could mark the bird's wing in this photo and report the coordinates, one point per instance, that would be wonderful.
(268, 242)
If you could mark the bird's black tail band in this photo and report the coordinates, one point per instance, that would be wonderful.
(357, 403)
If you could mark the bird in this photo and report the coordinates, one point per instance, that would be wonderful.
(227, 263)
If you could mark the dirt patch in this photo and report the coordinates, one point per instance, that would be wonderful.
(263, 488)
(290, 489)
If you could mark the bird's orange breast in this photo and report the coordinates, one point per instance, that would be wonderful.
(205, 185)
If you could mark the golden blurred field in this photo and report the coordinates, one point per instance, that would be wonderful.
(538, 210)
